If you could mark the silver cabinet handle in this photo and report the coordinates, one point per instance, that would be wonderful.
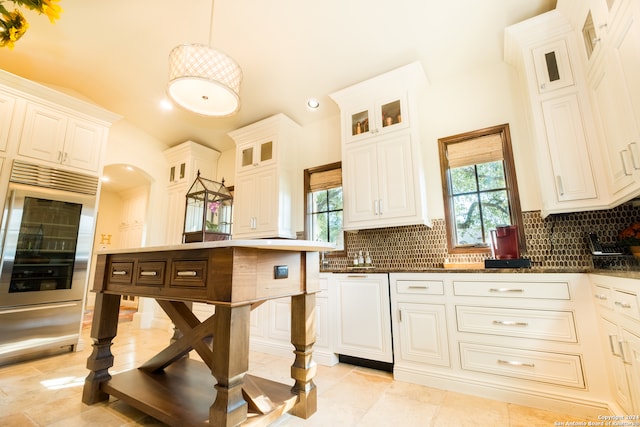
(624, 359)
(148, 273)
(189, 273)
(601, 297)
(633, 151)
(624, 154)
(509, 323)
(119, 273)
(516, 363)
(559, 183)
(502, 290)
(622, 304)
(418, 287)
(612, 345)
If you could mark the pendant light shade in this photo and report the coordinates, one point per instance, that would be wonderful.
(204, 80)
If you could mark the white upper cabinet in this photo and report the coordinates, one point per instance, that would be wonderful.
(54, 136)
(543, 50)
(383, 172)
(614, 82)
(267, 199)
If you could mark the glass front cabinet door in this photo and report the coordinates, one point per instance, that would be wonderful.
(552, 66)
(256, 154)
(388, 115)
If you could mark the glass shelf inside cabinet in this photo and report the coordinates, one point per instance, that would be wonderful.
(360, 123)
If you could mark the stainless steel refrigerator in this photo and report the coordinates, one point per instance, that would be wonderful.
(47, 234)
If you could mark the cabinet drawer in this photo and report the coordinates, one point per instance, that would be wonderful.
(189, 274)
(522, 323)
(602, 296)
(121, 272)
(150, 273)
(426, 287)
(626, 303)
(553, 368)
(538, 290)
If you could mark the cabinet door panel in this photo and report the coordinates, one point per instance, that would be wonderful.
(43, 134)
(243, 206)
(611, 339)
(363, 321)
(266, 199)
(360, 182)
(568, 148)
(83, 145)
(423, 334)
(395, 171)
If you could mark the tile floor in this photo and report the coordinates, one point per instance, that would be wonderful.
(47, 392)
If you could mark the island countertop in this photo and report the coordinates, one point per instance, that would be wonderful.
(275, 244)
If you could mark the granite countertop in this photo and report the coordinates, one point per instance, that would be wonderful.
(632, 274)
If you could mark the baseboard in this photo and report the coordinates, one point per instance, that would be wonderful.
(549, 401)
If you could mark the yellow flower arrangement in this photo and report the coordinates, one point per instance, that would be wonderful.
(13, 25)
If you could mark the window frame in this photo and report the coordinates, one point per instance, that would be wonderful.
(307, 193)
(511, 186)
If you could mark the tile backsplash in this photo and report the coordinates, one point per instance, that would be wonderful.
(557, 241)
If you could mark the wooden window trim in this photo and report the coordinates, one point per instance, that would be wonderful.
(510, 177)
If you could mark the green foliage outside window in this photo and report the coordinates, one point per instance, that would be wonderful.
(326, 216)
(480, 201)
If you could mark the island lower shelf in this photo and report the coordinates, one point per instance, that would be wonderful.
(183, 392)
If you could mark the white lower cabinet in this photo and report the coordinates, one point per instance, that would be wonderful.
(362, 318)
(525, 338)
(270, 328)
(619, 309)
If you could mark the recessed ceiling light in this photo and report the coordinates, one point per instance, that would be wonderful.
(313, 104)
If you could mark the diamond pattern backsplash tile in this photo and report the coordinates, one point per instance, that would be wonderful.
(557, 241)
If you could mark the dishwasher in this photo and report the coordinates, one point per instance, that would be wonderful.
(362, 332)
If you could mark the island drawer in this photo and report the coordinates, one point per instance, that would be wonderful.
(554, 368)
(522, 323)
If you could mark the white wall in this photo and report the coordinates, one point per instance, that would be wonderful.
(129, 145)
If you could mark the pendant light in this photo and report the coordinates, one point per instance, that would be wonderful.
(204, 80)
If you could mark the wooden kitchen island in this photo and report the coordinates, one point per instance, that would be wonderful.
(235, 276)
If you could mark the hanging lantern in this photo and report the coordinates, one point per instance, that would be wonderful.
(207, 214)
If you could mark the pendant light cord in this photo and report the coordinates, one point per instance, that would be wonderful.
(211, 25)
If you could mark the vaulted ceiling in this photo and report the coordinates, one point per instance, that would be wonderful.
(114, 52)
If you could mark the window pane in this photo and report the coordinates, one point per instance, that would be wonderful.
(319, 201)
(463, 180)
(468, 222)
(491, 176)
(319, 224)
(335, 226)
(495, 209)
(335, 198)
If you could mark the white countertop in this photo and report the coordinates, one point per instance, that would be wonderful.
(275, 244)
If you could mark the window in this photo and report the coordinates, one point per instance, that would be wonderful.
(323, 204)
(479, 187)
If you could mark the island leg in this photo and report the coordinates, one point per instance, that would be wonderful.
(230, 363)
(103, 329)
(303, 370)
